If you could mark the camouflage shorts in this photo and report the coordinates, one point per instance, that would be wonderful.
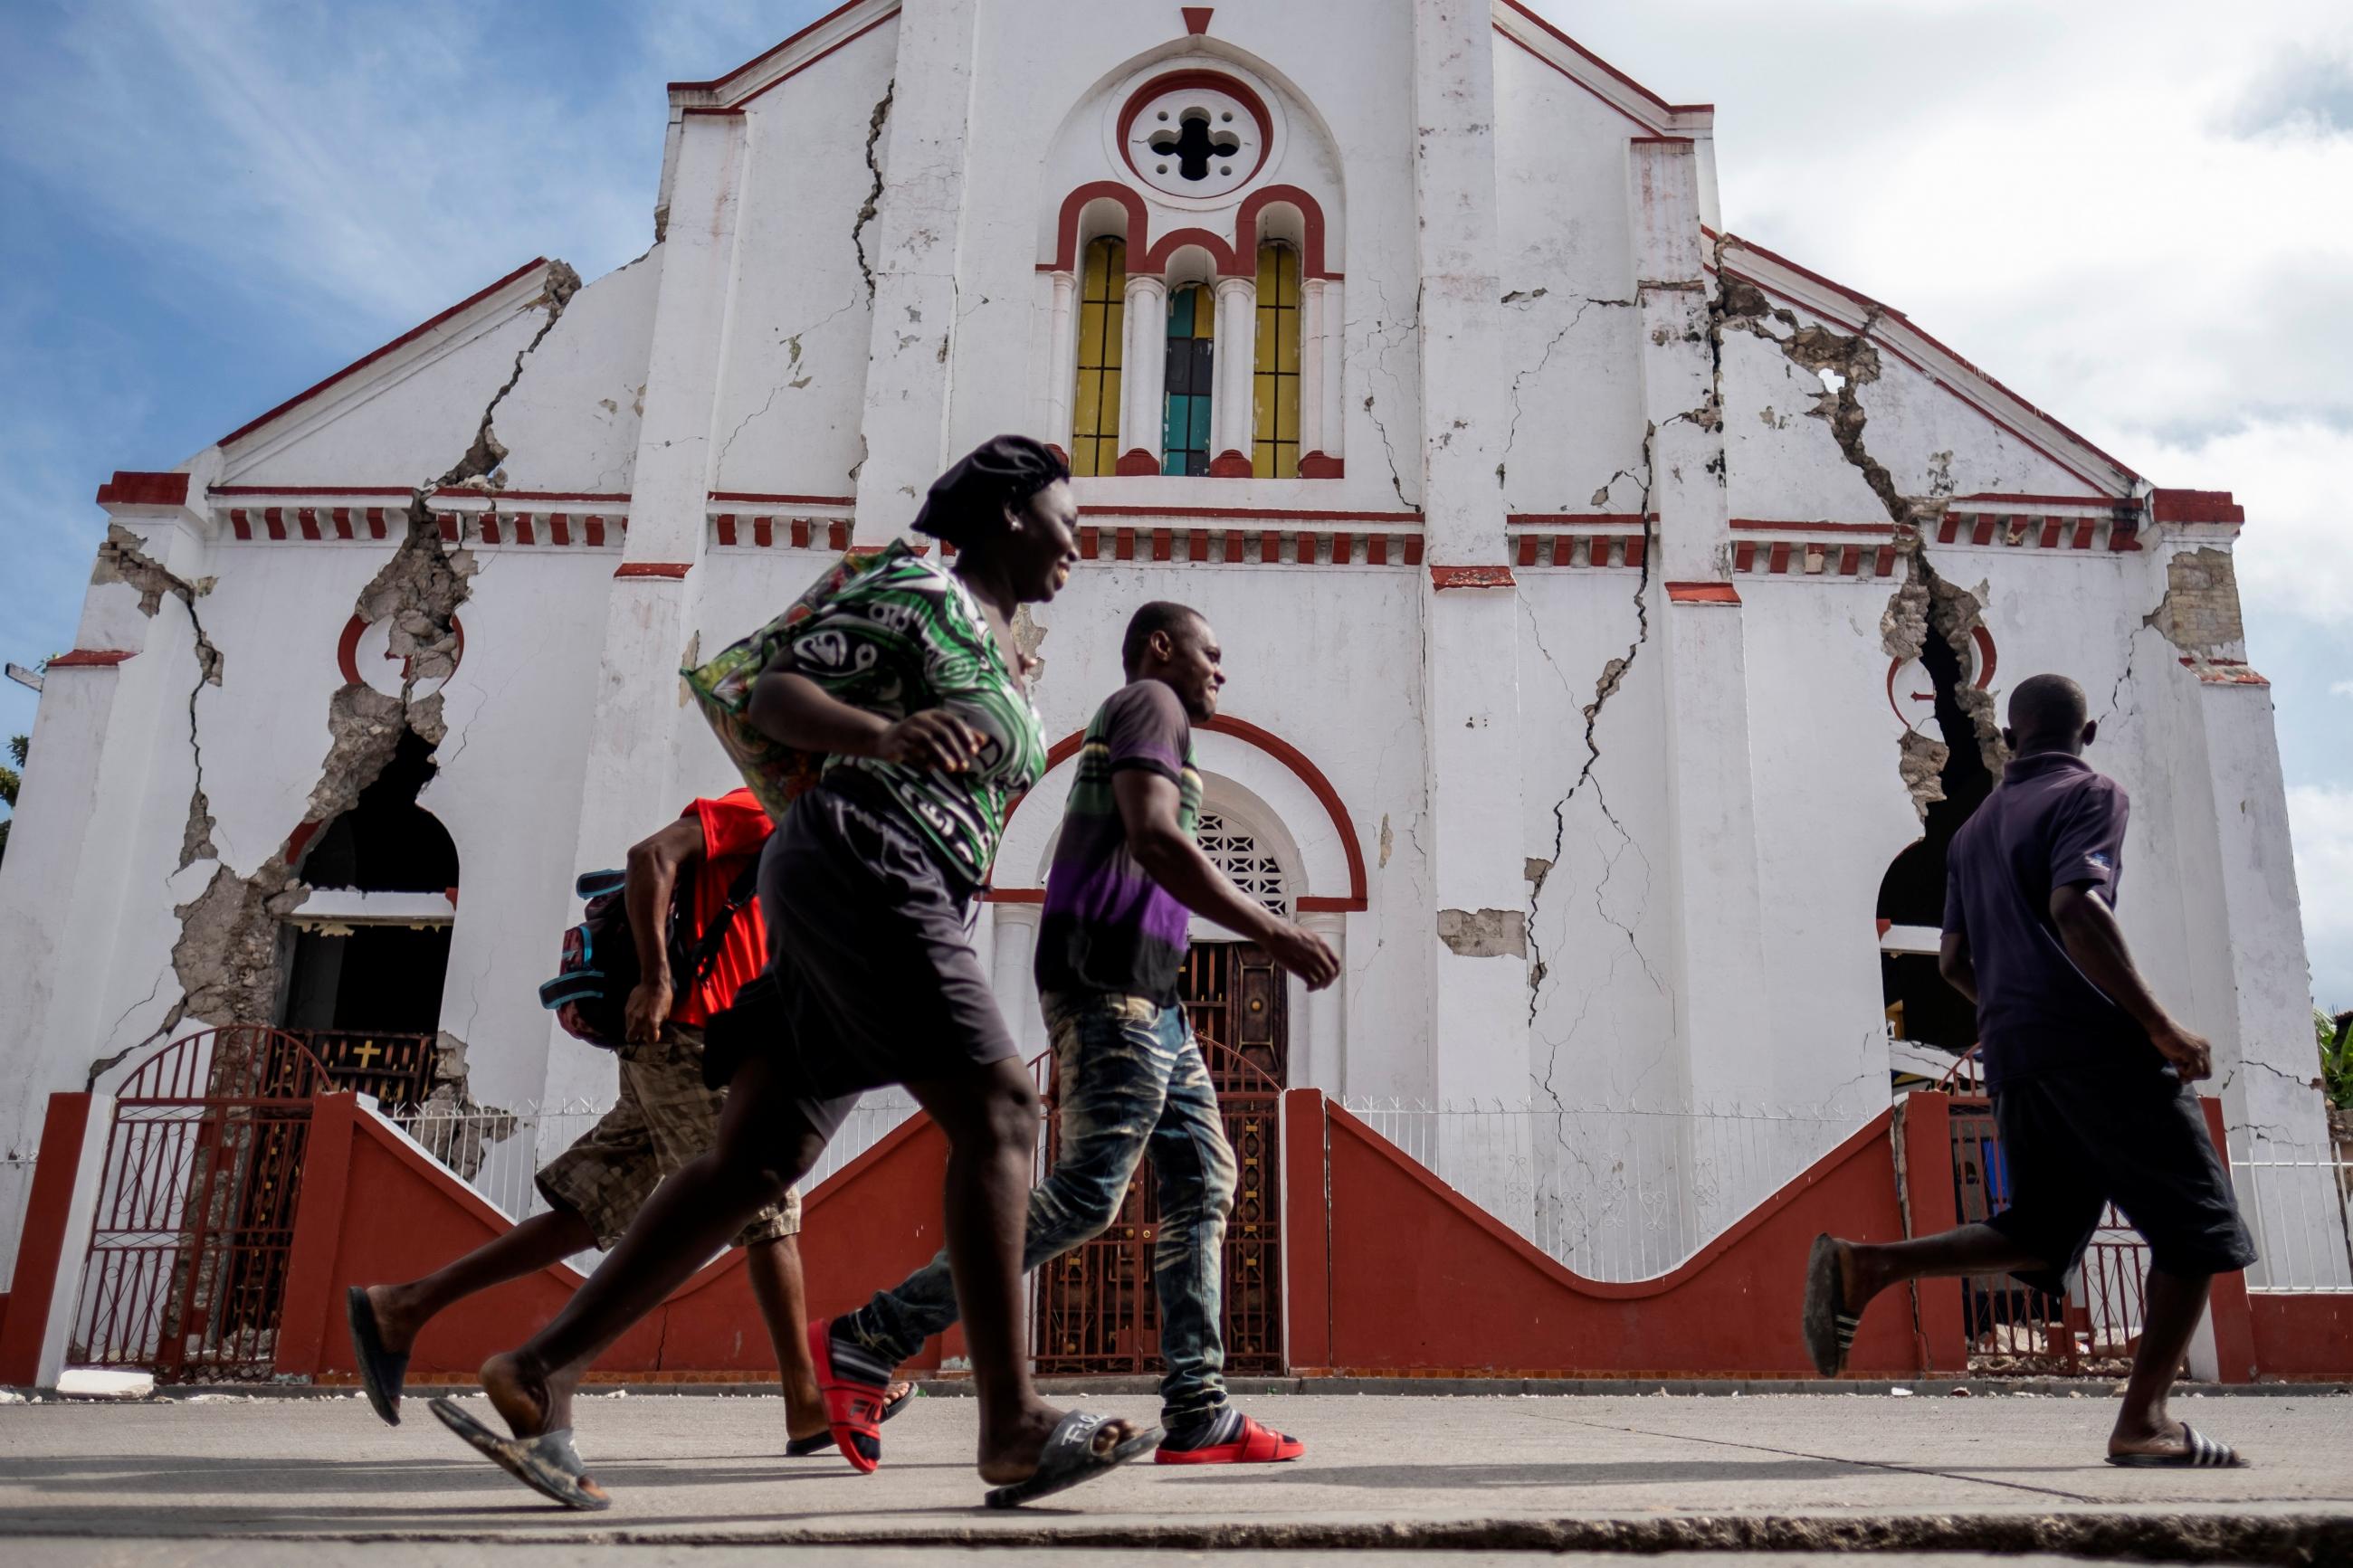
(664, 1118)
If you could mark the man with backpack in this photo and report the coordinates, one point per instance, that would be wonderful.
(689, 919)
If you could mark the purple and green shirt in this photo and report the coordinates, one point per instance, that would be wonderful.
(1107, 926)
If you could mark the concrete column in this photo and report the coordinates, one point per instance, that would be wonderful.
(1234, 415)
(633, 780)
(1310, 365)
(90, 856)
(2253, 978)
(1013, 972)
(1318, 1018)
(915, 242)
(1697, 624)
(1478, 999)
(1334, 401)
(1143, 372)
(1063, 359)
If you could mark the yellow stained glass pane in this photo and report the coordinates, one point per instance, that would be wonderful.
(1114, 333)
(1091, 270)
(1286, 344)
(1085, 410)
(1262, 409)
(1107, 421)
(1268, 260)
(1091, 335)
(1268, 323)
(1286, 408)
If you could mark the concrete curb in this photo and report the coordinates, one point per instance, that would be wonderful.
(2287, 1540)
(1433, 1387)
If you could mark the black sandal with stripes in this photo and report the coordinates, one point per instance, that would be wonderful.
(2197, 1452)
(1829, 1327)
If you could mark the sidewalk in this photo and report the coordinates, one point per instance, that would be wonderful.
(1791, 1472)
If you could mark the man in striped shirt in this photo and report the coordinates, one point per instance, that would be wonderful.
(1132, 1080)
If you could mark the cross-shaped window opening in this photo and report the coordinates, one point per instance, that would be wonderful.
(1194, 146)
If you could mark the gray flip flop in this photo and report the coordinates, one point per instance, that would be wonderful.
(547, 1464)
(1828, 1326)
(383, 1372)
(2199, 1452)
(1070, 1458)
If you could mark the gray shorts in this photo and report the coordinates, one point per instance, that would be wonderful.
(871, 975)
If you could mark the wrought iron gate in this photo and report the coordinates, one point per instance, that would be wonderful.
(1095, 1308)
(2014, 1329)
(196, 1211)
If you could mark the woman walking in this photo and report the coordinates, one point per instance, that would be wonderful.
(908, 680)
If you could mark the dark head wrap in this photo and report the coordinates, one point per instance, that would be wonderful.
(966, 504)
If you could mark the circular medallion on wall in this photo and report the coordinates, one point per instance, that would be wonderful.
(1912, 691)
(364, 654)
(1197, 135)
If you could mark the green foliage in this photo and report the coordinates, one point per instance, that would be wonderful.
(10, 782)
(2335, 1038)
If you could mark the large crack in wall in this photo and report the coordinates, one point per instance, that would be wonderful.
(1924, 601)
(229, 956)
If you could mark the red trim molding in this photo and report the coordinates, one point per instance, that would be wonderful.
(1230, 465)
(672, 569)
(1215, 80)
(1322, 466)
(130, 488)
(91, 659)
(1703, 593)
(2171, 506)
(410, 336)
(1197, 18)
(1136, 460)
(1357, 899)
(1444, 577)
(1148, 255)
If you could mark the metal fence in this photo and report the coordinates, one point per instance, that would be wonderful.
(499, 1152)
(2298, 1200)
(1616, 1193)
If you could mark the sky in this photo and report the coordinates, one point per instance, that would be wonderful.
(2133, 214)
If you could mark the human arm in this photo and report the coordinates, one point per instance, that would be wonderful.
(1954, 963)
(790, 707)
(648, 884)
(2088, 929)
(1148, 804)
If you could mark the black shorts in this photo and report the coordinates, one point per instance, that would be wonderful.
(2075, 1143)
(871, 977)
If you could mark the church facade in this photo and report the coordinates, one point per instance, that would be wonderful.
(1616, 611)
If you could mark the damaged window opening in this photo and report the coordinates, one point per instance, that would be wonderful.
(361, 973)
(1921, 1007)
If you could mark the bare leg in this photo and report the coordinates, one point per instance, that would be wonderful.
(2176, 1302)
(403, 1310)
(774, 1268)
(1865, 1270)
(764, 1145)
(990, 1117)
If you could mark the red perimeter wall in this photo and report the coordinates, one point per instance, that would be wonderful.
(1421, 1280)
(374, 1207)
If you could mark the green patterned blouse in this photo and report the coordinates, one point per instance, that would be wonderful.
(906, 635)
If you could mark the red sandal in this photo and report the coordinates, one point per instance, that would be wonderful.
(1253, 1444)
(853, 1410)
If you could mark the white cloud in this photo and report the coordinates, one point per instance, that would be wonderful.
(2341, 689)
(2322, 821)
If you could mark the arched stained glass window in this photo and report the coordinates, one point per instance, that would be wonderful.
(1094, 414)
(1275, 377)
(1192, 329)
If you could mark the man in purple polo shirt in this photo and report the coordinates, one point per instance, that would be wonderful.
(2090, 1078)
(1130, 1078)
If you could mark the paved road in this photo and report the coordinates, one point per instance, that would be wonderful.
(1794, 1471)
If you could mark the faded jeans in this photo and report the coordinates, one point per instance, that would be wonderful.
(1132, 1082)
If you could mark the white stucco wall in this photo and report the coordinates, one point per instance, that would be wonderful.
(739, 357)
